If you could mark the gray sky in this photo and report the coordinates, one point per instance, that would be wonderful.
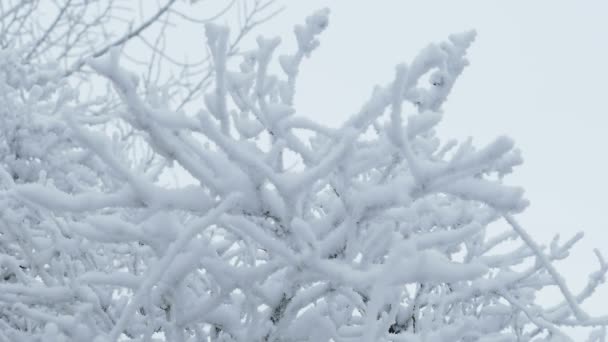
(538, 73)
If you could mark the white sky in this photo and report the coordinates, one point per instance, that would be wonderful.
(538, 73)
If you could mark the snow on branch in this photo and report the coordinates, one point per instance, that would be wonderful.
(377, 231)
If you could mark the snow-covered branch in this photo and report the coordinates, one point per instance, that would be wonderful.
(376, 231)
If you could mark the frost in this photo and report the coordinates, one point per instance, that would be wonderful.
(287, 230)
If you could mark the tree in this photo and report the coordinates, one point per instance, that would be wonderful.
(69, 31)
(60, 35)
(288, 231)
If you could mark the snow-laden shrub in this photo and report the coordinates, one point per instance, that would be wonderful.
(289, 230)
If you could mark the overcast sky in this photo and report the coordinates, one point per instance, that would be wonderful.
(538, 74)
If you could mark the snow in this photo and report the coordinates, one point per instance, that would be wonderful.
(381, 236)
